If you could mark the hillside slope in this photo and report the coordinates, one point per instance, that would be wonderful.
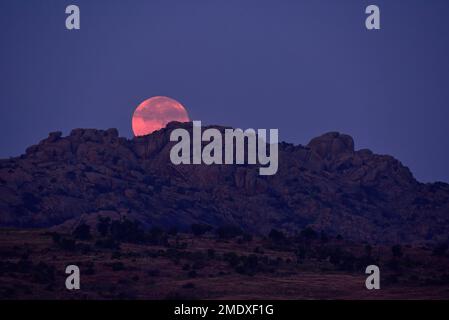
(326, 185)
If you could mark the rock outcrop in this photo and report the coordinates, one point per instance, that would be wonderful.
(326, 185)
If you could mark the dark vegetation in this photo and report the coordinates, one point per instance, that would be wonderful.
(305, 248)
(128, 250)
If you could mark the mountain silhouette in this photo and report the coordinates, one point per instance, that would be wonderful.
(325, 185)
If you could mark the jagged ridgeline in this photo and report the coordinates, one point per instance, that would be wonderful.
(326, 185)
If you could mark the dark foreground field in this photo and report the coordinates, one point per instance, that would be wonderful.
(207, 266)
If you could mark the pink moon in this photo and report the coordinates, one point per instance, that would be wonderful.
(154, 114)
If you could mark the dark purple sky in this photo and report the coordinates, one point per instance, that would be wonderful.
(305, 67)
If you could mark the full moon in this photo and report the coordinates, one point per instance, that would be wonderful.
(154, 114)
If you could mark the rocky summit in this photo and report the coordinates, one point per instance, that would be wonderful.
(325, 185)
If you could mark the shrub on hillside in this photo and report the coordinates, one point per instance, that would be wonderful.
(82, 232)
(396, 250)
(276, 236)
(228, 232)
(199, 229)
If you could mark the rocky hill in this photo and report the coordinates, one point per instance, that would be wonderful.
(326, 185)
